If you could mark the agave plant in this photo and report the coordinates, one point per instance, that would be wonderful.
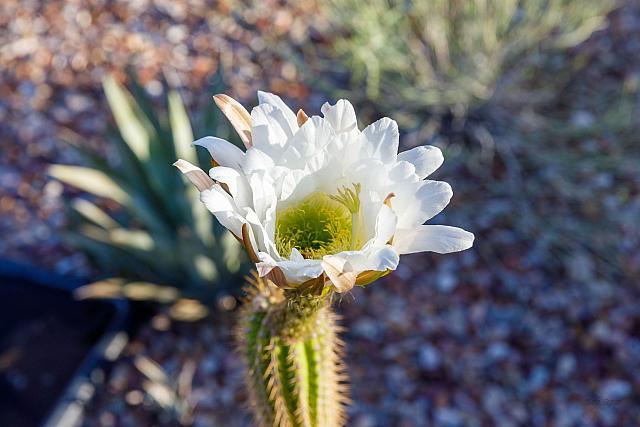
(161, 234)
(445, 55)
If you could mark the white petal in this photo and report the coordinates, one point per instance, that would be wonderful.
(434, 196)
(301, 271)
(340, 272)
(343, 268)
(380, 259)
(341, 116)
(223, 152)
(256, 159)
(307, 149)
(385, 226)
(237, 184)
(264, 196)
(296, 255)
(269, 223)
(429, 200)
(222, 206)
(426, 159)
(433, 238)
(403, 172)
(291, 181)
(295, 271)
(260, 235)
(383, 259)
(353, 148)
(370, 173)
(312, 136)
(270, 129)
(298, 185)
(197, 176)
(276, 101)
(383, 136)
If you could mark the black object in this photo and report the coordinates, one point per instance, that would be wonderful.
(52, 346)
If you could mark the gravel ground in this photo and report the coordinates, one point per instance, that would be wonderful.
(443, 343)
(509, 333)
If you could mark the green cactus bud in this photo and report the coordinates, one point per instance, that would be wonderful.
(294, 370)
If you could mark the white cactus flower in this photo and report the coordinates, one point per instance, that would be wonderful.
(316, 199)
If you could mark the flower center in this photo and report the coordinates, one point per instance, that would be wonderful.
(319, 225)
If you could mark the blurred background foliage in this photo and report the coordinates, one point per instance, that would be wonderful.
(419, 58)
(159, 231)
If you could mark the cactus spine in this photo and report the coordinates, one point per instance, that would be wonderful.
(294, 370)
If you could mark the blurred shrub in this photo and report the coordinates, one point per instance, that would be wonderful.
(443, 55)
(161, 233)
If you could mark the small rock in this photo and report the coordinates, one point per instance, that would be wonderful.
(429, 357)
(614, 389)
(448, 417)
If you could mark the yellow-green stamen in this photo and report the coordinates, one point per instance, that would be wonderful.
(351, 200)
(321, 224)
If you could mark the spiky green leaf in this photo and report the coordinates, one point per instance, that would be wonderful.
(132, 130)
(89, 180)
(181, 128)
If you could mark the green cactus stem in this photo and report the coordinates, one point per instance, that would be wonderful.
(294, 370)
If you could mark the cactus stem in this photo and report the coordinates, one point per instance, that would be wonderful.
(295, 374)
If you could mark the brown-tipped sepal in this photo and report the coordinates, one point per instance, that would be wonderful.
(301, 117)
(197, 176)
(238, 116)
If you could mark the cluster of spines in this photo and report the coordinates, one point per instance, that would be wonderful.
(292, 380)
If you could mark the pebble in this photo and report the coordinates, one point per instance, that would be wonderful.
(429, 358)
(614, 389)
